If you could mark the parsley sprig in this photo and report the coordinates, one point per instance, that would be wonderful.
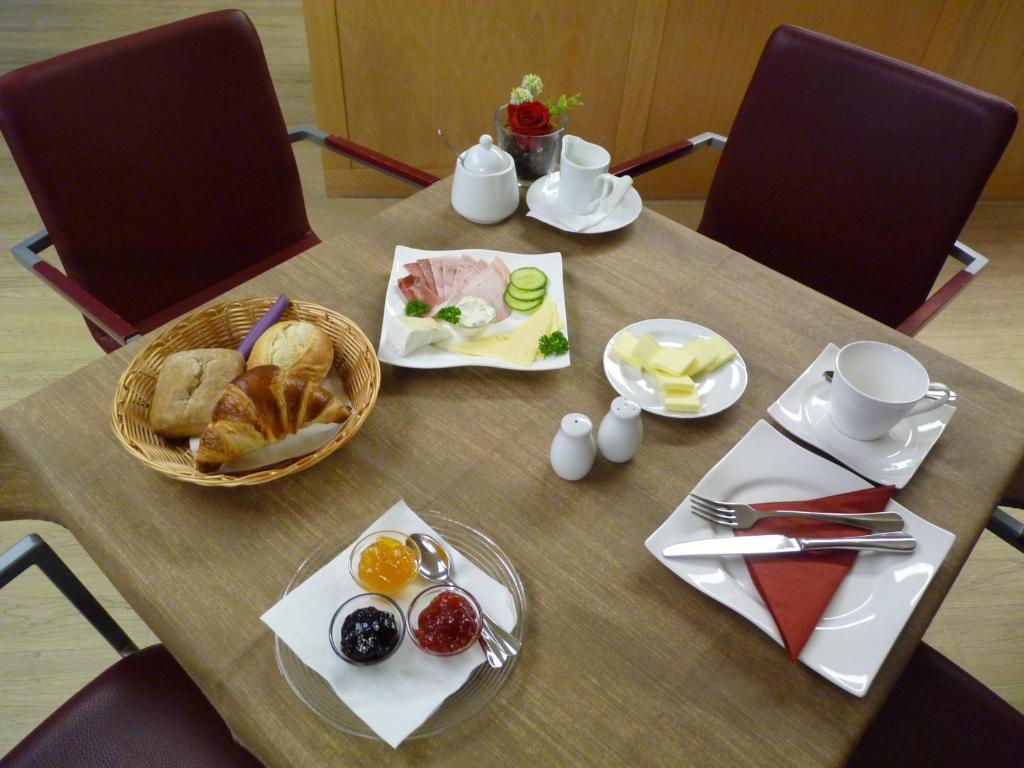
(451, 314)
(416, 308)
(553, 344)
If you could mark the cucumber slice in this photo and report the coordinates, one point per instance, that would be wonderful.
(528, 279)
(524, 295)
(520, 305)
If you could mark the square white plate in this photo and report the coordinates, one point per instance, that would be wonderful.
(803, 410)
(867, 612)
(435, 355)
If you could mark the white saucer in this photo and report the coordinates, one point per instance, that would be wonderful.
(892, 459)
(543, 196)
(718, 389)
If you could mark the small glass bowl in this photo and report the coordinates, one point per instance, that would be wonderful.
(424, 599)
(364, 543)
(365, 600)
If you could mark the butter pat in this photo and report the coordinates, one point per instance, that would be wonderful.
(674, 384)
(670, 360)
(723, 351)
(407, 334)
(624, 348)
(704, 355)
(645, 347)
(682, 403)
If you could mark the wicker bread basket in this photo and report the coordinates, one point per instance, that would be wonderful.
(225, 325)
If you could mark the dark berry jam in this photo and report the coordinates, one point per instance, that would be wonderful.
(449, 624)
(368, 634)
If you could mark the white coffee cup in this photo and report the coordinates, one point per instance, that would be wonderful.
(583, 177)
(877, 385)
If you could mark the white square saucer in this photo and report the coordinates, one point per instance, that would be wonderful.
(803, 410)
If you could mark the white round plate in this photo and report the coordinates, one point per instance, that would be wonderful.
(718, 389)
(543, 196)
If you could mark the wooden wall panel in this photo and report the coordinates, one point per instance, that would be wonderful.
(652, 71)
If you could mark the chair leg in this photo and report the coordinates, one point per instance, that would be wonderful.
(32, 550)
(1005, 526)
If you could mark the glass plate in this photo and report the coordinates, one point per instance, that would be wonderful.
(481, 686)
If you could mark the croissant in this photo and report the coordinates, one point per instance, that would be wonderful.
(260, 407)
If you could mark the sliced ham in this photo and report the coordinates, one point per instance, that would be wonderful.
(416, 289)
(427, 273)
(435, 268)
(489, 285)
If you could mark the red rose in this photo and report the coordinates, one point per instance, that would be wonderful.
(530, 117)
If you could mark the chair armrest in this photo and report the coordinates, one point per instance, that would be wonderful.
(974, 262)
(364, 155)
(27, 253)
(1007, 528)
(660, 157)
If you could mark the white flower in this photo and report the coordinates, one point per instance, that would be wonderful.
(520, 95)
(533, 84)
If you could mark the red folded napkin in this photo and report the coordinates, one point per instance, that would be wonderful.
(797, 588)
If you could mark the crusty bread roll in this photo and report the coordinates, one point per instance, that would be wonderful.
(260, 407)
(188, 387)
(296, 346)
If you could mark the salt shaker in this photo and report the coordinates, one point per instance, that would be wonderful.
(573, 450)
(621, 431)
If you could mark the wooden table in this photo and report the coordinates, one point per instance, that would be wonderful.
(623, 663)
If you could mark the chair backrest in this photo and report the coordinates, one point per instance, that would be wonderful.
(159, 162)
(852, 172)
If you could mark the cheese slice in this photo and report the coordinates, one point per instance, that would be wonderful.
(670, 360)
(521, 344)
(704, 355)
(683, 403)
(624, 348)
(674, 384)
(407, 334)
(723, 352)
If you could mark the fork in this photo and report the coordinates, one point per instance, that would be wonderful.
(743, 516)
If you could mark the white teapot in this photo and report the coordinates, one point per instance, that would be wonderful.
(485, 189)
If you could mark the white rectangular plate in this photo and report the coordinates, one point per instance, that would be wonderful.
(436, 356)
(871, 606)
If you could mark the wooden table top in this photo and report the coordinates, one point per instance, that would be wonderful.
(623, 663)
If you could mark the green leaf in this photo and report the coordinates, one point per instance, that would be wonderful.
(553, 344)
(449, 314)
(416, 308)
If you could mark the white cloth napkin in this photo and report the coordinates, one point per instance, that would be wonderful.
(558, 216)
(303, 442)
(396, 695)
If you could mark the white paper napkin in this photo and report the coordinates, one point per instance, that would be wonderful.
(303, 442)
(395, 696)
(558, 216)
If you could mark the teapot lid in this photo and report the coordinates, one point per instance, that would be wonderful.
(484, 157)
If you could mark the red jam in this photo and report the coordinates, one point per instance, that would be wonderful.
(449, 624)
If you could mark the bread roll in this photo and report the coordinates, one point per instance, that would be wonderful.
(297, 347)
(188, 387)
(260, 407)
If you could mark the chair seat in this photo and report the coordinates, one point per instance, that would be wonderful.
(938, 715)
(143, 712)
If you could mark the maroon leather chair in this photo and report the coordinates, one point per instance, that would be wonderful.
(161, 167)
(852, 173)
(143, 712)
(940, 716)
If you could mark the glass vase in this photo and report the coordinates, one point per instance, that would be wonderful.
(535, 156)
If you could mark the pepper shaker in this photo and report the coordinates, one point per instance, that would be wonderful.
(621, 431)
(574, 449)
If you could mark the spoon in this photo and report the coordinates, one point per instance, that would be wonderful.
(435, 566)
(932, 395)
(440, 133)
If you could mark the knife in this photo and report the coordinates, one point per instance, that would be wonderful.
(782, 545)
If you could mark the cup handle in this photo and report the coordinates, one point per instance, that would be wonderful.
(926, 404)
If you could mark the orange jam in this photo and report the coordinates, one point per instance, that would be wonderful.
(387, 565)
